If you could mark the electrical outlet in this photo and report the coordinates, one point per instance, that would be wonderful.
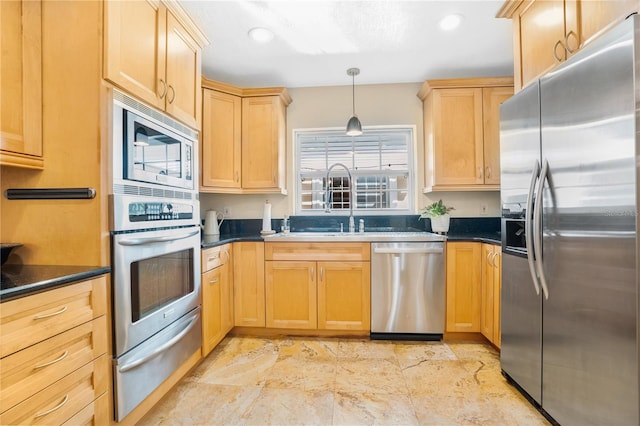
(484, 209)
(226, 211)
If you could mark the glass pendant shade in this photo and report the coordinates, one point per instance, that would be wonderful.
(354, 128)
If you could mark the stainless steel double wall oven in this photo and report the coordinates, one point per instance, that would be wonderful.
(155, 243)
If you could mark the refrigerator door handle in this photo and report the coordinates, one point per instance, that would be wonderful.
(537, 229)
(528, 226)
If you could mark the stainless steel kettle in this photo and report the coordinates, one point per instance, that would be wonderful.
(211, 224)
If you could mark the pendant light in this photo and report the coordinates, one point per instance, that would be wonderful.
(354, 128)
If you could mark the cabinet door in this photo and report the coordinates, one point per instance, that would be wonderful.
(540, 30)
(463, 286)
(183, 98)
(492, 98)
(486, 292)
(290, 293)
(457, 134)
(212, 331)
(21, 83)
(595, 17)
(221, 140)
(248, 284)
(226, 291)
(134, 48)
(344, 295)
(497, 296)
(262, 142)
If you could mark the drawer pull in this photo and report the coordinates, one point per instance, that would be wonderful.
(214, 281)
(60, 358)
(52, 314)
(51, 410)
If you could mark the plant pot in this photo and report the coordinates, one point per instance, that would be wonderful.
(440, 224)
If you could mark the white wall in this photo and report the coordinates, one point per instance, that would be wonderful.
(385, 104)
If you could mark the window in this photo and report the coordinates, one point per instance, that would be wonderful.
(379, 161)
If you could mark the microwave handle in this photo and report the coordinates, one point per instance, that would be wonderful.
(151, 240)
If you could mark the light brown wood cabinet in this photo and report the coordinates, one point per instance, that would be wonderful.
(55, 363)
(321, 286)
(243, 139)
(547, 32)
(217, 296)
(463, 287)
(462, 132)
(21, 84)
(221, 140)
(248, 284)
(153, 51)
(490, 293)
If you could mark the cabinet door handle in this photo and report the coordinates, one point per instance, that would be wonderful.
(237, 176)
(479, 172)
(313, 274)
(488, 257)
(51, 410)
(321, 273)
(555, 50)
(226, 253)
(44, 364)
(164, 89)
(274, 178)
(488, 172)
(173, 92)
(52, 314)
(566, 42)
(493, 259)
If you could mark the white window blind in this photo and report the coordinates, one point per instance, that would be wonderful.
(379, 161)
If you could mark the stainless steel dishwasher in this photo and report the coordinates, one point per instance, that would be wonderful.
(407, 290)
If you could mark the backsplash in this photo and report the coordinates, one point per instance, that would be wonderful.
(405, 223)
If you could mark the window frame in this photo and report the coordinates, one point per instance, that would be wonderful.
(412, 174)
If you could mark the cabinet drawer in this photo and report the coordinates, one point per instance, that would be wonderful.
(36, 367)
(94, 414)
(35, 318)
(347, 252)
(215, 256)
(59, 402)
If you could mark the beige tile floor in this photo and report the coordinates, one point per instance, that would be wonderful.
(324, 381)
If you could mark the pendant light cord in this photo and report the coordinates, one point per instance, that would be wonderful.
(353, 92)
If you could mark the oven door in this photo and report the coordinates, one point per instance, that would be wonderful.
(157, 155)
(156, 280)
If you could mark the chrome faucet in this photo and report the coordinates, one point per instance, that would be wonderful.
(352, 224)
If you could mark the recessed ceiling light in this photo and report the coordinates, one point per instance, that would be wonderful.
(450, 22)
(261, 35)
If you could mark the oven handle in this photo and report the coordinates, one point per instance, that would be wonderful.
(138, 362)
(151, 240)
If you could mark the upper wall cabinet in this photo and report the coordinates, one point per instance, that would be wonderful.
(243, 139)
(547, 32)
(21, 84)
(462, 132)
(153, 51)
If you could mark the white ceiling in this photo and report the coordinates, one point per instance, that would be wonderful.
(316, 42)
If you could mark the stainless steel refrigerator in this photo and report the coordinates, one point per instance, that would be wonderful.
(570, 156)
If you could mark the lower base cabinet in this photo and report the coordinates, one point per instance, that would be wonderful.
(217, 296)
(321, 286)
(54, 356)
(490, 293)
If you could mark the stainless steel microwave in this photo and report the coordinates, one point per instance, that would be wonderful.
(151, 148)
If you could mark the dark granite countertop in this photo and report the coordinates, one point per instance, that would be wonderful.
(22, 280)
(484, 237)
(209, 241)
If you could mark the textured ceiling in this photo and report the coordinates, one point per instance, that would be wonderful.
(316, 42)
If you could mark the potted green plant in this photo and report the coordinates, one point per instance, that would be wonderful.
(439, 215)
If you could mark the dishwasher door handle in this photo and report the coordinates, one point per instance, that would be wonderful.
(383, 250)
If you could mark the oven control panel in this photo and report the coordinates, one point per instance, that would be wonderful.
(155, 211)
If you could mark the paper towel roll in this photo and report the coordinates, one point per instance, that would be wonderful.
(266, 217)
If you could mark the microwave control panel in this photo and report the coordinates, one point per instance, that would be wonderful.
(155, 211)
